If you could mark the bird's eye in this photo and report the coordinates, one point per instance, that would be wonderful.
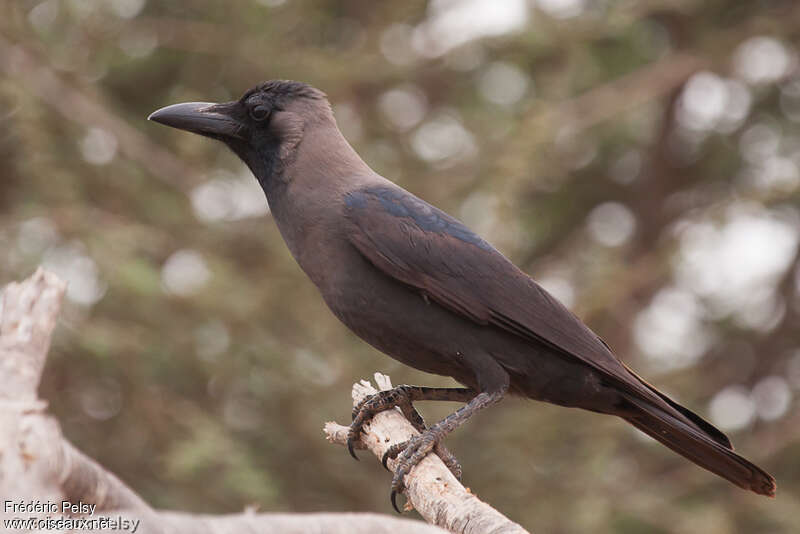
(259, 113)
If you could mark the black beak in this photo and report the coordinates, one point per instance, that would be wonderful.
(204, 118)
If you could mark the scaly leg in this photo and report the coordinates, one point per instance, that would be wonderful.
(441, 451)
(416, 448)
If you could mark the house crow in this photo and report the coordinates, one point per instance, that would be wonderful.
(420, 286)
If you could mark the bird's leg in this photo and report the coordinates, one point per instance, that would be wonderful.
(418, 422)
(403, 397)
(416, 448)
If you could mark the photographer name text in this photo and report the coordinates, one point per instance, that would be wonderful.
(48, 507)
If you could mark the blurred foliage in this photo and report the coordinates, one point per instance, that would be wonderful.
(639, 158)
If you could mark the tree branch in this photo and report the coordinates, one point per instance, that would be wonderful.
(37, 465)
(431, 488)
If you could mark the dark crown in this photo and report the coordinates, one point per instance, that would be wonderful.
(284, 89)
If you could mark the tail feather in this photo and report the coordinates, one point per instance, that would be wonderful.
(712, 431)
(702, 449)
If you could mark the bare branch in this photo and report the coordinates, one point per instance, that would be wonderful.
(27, 319)
(37, 465)
(430, 486)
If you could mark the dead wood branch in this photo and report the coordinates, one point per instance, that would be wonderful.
(431, 488)
(37, 465)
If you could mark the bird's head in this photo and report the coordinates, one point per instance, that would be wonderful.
(264, 127)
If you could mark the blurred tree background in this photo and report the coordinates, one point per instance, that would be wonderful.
(640, 159)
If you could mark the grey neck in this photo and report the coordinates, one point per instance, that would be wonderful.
(306, 196)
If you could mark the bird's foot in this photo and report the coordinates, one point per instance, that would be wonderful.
(449, 459)
(365, 410)
(411, 452)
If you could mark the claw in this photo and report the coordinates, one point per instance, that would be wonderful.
(350, 449)
(392, 452)
(384, 459)
(393, 498)
(398, 486)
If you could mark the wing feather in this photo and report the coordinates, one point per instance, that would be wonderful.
(425, 248)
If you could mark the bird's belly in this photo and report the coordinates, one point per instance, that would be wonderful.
(400, 322)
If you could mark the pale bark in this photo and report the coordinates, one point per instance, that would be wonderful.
(38, 465)
(431, 488)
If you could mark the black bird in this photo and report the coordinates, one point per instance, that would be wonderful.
(420, 286)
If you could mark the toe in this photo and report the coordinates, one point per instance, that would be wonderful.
(394, 451)
(398, 486)
(449, 460)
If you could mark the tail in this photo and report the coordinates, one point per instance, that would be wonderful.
(693, 441)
